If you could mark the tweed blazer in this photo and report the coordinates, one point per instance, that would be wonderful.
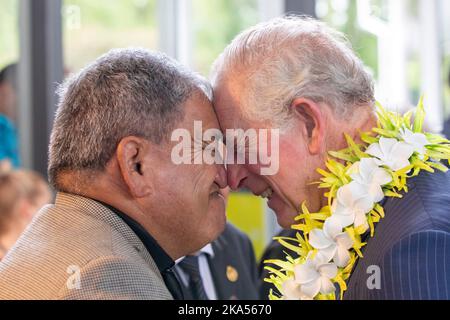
(79, 249)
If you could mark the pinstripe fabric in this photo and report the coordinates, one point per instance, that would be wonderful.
(411, 245)
(76, 231)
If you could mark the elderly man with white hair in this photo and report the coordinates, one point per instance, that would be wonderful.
(297, 75)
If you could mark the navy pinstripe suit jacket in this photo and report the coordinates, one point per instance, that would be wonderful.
(411, 246)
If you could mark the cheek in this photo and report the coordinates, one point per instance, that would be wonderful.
(293, 158)
(174, 187)
(296, 169)
(200, 180)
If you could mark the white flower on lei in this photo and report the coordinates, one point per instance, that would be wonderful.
(310, 278)
(356, 199)
(391, 153)
(351, 205)
(417, 141)
(370, 177)
(291, 290)
(331, 242)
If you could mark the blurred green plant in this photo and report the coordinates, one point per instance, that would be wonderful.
(215, 24)
(103, 25)
(364, 43)
(9, 32)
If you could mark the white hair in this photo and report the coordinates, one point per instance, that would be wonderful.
(292, 57)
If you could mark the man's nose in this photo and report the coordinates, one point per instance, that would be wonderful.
(221, 177)
(236, 175)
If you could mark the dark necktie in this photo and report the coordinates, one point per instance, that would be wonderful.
(190, 265)
(172, 283)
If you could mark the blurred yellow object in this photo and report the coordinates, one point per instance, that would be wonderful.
(247, 212)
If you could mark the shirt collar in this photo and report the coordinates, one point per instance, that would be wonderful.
(163, 261)
(208, 250)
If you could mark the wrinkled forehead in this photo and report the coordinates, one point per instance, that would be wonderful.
(228, 103)
(199, 108)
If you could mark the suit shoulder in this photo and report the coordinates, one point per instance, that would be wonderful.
(433, 190)
(417, 267)
(432, 181)
(113, 277)
(58, 238)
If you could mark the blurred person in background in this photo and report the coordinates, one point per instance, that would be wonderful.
(8, 115)
(222, 270)
(22, 194)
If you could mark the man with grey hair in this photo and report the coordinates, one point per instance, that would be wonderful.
(297, 75)
(124, 212)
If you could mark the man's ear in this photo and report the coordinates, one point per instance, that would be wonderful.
(313, 121)
(131, 153)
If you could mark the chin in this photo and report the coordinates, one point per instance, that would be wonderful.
(217, 226)
(221, 225)
(210, 233)
(286, 218)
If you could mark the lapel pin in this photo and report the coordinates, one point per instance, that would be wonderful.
(232, 274)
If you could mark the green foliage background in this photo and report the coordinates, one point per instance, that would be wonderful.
(117, 23)
(9, 42)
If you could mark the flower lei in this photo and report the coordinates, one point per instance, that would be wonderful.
(330, 242)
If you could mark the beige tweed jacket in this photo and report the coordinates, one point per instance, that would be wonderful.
(79, 249)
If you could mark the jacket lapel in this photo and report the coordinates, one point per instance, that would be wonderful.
(218, 265)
